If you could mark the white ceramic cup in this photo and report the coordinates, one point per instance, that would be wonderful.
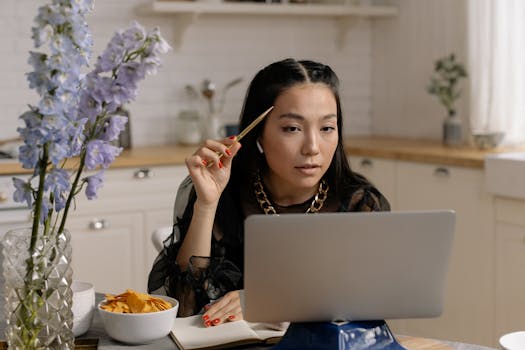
(83, 306)
(513, 341)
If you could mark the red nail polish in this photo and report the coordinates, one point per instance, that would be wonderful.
(233, 137)
(204, 162)
(206, 307)
(207, 323)
(205, 317)
(216, 321)
(220, 164)
(231, 317)
(228, 152)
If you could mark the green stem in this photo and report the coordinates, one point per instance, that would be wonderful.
(72, 192)
(39, 199)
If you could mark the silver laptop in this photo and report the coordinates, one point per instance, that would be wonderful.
(346, 266)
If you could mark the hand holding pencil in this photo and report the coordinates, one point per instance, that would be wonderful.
(210, 165)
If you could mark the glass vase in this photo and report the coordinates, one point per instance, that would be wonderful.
(452, 131)
(38, 294)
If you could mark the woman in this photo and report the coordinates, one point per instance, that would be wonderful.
(292, 162)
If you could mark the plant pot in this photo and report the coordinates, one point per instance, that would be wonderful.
(38, 292)
(452, 131)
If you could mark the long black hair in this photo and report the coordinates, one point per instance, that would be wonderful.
(264, 89)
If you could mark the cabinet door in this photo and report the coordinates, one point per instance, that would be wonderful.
(510, 260)
(135, 189)
(163, 217)
(381, 172)
(108, 251)
(469, 305)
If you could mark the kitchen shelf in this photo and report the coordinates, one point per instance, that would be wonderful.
(187, 12)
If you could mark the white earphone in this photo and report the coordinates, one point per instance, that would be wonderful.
(259, 147)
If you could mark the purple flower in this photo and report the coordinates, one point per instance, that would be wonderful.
(129, 73)
(75, 114)
(23, 192)
(57, 182)
(75, 130)
(94, 183)
(115, 125)
(28, 156)
(134, 37)
(112, 55)
(45, 205)
(82, 6)
(99, 152)
(42, 35)
(58, 152)
(89, 107)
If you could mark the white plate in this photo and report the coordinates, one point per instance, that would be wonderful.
(513, 341)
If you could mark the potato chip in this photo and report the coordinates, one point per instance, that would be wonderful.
(133, 302)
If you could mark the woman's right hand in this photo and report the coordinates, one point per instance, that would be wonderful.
(210, 180)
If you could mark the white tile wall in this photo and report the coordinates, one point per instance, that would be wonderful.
(404, 50)
(216, 47)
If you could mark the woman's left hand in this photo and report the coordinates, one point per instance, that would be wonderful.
(226, 309)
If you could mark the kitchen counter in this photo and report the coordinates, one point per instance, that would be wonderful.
(421, 151)
(426, 151)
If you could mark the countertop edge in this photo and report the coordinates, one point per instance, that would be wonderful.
(414, 150)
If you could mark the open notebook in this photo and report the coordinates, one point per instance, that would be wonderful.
(189, 333)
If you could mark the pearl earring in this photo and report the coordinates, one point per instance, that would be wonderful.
(259, 147)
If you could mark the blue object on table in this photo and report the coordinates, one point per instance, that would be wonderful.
(357, 335)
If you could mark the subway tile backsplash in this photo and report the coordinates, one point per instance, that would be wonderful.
(217, 47)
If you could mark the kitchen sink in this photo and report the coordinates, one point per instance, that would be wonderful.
(505, 174)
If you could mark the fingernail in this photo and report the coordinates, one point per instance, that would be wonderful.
(216, 321)
(233, 137)
(220, 164)
(231, 317)
(204, 162)
(205, 317)
(207, 323)
(228, 152)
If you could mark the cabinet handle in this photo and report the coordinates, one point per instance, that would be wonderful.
(144, 173)
(441, 172)
(3, 197)
(98, 224)
(367, 163)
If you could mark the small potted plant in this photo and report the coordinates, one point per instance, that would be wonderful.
(444, 84)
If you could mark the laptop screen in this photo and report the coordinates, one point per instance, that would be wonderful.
(346, 266)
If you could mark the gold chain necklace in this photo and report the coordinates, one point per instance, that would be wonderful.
(267, 207)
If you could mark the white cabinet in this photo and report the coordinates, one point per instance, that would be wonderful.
(108, 251)
(381, 172)
(469, 313)
(111, 236)
(510, 262)
(469, 305)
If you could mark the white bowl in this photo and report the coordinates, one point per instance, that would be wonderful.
(513, 341)
(83, 306)
(139, 328)
(487, 140)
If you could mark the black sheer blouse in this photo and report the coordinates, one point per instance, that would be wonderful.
(209, 278)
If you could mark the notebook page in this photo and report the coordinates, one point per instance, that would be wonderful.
(191, 333)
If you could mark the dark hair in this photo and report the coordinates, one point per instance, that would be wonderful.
(264, 89)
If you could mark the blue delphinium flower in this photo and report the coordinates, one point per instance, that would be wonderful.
(99, 152)
(94, 183)
(76, 115)
(23, 191)
(57, 182)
